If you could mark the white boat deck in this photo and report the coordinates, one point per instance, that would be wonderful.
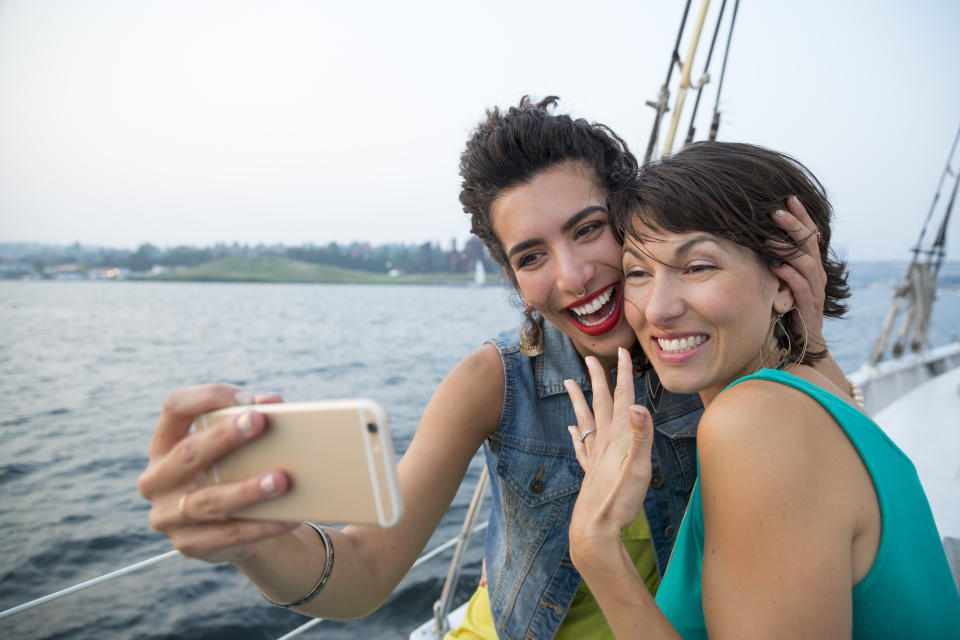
(925, 424)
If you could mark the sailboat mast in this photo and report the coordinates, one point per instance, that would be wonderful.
(662, 103)
(685, 78)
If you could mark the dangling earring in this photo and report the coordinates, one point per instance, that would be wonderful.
(777, 332)
(531, 335)
(803, 325)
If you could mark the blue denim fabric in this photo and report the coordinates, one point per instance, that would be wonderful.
(535, 478)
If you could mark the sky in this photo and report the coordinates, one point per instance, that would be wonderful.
(193, 123)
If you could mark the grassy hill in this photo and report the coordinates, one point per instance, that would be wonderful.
(276, 269)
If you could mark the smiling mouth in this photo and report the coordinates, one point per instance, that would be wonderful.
(681, 345)
(599, 314)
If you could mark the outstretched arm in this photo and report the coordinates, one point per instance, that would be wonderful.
(284, 560)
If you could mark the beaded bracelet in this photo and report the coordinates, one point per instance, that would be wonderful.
(324, 576)
(856, 393)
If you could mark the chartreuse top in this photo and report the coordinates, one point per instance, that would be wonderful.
(908, 593)
(584, 620)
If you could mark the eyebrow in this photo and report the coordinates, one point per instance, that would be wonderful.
(570, 223)
(679, 252)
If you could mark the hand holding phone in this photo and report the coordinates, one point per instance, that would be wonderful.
(337, 453)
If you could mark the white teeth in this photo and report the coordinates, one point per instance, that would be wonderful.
(594, 304)
(682, 344)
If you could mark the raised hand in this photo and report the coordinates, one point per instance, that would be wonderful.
(612, 443)
(193, 515)
(803, 270)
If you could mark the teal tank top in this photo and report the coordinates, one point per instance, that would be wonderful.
(908, 593)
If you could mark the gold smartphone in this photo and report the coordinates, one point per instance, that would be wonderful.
(337, 453)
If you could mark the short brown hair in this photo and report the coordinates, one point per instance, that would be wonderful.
(511, 148)
(729, 190)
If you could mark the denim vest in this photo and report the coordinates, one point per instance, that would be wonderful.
(535, 479)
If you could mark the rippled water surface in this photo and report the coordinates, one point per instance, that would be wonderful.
(84, 367)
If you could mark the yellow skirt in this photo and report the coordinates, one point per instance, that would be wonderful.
(584, 620)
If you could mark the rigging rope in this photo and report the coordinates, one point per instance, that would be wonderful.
(715, 124)
(662, 101)
(936, 197)
(705, 77)
(914, 296)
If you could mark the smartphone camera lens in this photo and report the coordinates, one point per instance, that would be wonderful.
(372, 427)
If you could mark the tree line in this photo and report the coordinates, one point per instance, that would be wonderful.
(426, 257)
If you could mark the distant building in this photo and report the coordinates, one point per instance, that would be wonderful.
(111, 273)
(66, 271)
(17, 270)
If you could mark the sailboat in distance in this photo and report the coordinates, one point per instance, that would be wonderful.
(479, 274)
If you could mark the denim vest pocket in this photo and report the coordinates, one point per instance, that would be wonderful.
(534, 481)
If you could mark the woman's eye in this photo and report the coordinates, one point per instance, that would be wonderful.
(527, 260)
(636, 274)
(589, 229)
(700, 268)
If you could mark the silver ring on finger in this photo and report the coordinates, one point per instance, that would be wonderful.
(583, 436)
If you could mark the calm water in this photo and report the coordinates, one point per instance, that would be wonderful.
(83, 371)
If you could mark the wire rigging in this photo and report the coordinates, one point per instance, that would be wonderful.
(715, 124)
(704, 78)
(661, 105)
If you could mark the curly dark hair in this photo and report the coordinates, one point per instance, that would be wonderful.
(729, 190)
(512, 148)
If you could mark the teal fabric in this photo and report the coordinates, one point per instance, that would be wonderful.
(908, 593)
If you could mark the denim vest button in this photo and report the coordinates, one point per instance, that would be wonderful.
(656, 481)
(537, 485)
(668, 531)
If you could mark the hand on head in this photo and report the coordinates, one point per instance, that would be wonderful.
(193, 515)
(803, 270)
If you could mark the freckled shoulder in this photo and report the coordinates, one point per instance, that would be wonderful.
(471, 396)
(763, 420)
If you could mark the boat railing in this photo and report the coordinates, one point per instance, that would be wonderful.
(442, 606)
(460, 542)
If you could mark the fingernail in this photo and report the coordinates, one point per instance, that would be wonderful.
(260, 397)
(780, 213)
(244, 423)
(243, 397)
(268, 484)
(637, 411)
(794, 200)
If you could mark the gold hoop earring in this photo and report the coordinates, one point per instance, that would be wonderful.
(777, 332)
(806, 337)
(531, 336)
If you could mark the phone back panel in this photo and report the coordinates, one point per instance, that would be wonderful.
(338, 455)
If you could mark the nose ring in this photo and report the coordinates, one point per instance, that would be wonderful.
(581, 293)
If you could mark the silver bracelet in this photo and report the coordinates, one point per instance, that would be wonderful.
(324, 576)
